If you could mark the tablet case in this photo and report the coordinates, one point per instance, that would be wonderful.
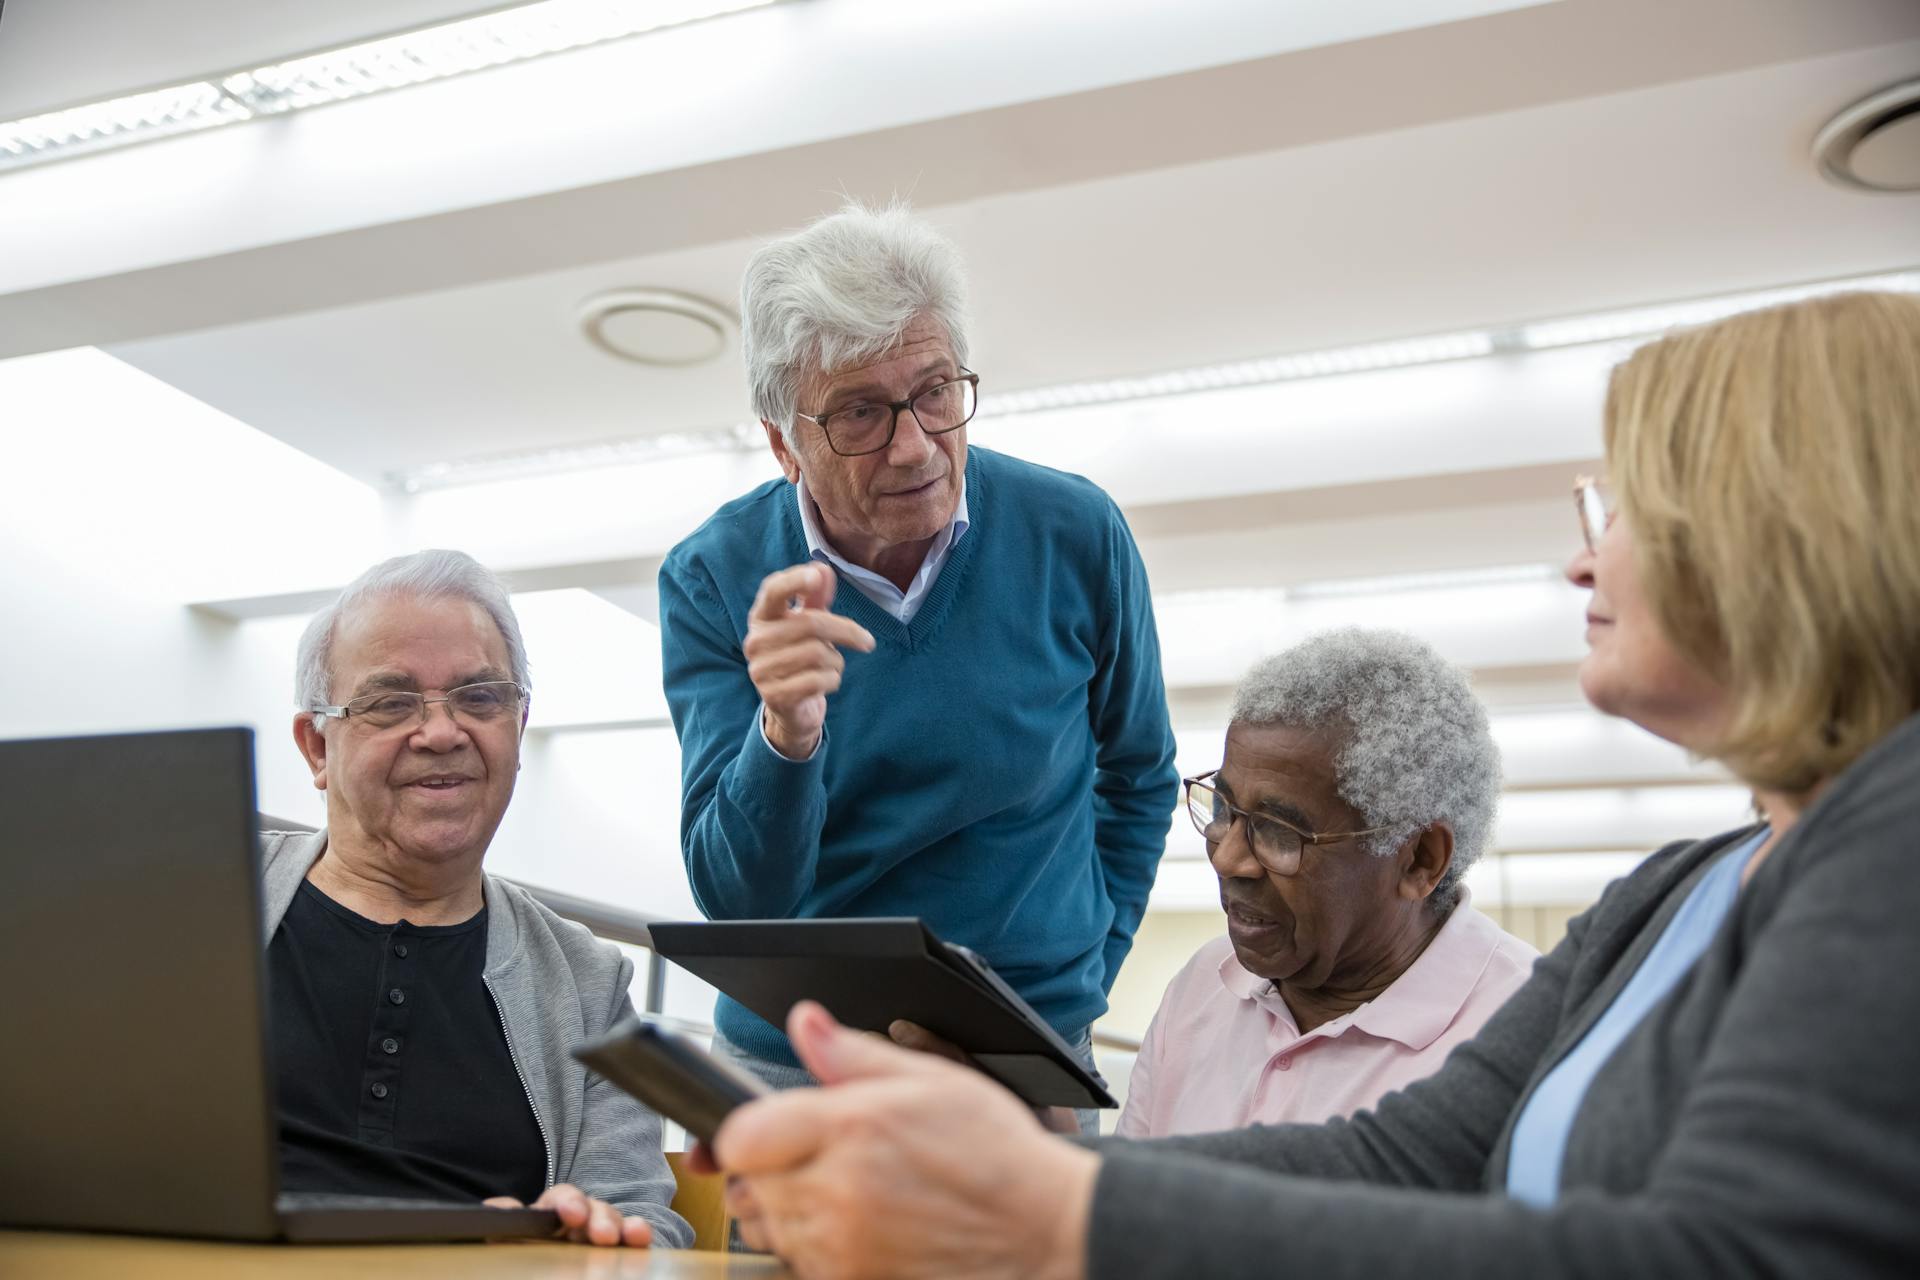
(870, 972)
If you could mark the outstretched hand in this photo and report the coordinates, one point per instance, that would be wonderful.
(902, 1164)
(793, 654)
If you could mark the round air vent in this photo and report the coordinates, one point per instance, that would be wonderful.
(657, 327)
(1874, 145)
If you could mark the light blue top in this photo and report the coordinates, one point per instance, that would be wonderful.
(1540, 1135)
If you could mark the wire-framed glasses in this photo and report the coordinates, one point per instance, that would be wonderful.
(1594, 506)
(868, 425)
(1276, 843)
(478, 703)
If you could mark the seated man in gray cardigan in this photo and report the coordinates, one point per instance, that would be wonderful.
(422, 1010)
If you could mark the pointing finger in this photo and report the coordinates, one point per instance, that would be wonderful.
(801, 583)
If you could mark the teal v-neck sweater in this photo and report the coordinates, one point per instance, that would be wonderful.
(1001, 767)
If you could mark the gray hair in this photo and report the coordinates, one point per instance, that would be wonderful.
(431, 575)
(1414, 746)
(843, 291)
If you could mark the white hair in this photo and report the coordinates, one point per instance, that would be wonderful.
(430, 575)
(840, 292)
(1413, 743)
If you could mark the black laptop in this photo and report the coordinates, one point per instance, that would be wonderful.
(135, 1089)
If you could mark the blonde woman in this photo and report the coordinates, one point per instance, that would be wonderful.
(1717, 1073)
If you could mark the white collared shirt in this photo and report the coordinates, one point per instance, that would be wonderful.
(897, 603)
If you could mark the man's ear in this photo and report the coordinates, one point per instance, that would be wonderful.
(313, 746)
(1426, 856)
(782, 452)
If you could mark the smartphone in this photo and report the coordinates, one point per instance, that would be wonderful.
(672, 1074)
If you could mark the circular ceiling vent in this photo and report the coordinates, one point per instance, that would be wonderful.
(1874, 145)
(657, 327)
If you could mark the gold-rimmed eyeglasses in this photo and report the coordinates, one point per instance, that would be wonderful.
(1276, 843)
(479, 703)
(1594, 505)
(867, 426)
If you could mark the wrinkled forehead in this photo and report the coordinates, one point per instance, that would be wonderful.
(1282, 757)
(424, 642)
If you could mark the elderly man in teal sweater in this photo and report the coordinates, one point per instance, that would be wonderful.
(997, 758)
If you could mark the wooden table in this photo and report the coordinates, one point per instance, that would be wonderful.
(32, 1255)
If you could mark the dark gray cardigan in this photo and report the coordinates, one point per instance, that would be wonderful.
(1764, 1120)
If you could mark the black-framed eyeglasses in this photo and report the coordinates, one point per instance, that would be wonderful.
(1595, 508)
(868, 426)
(1276, 843)
(478, 703)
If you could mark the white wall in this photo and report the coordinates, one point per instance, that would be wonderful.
(122, 499)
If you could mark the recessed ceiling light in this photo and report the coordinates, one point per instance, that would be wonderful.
(1874, 145)
(661, 328)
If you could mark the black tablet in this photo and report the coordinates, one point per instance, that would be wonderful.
(870, 972)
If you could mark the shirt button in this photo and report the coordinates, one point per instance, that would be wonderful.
(397, 996)
(390, 1045)
(1286, 1064)
(400, 949)
(378, 1091)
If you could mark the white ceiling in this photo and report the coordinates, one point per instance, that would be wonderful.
(1558, 158)
(1682, 189)
(1137, 187)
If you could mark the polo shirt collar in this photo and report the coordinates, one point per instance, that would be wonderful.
(1423, 1002)
(1425, 999)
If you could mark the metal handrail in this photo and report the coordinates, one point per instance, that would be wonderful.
(616, 924)
(635, 928)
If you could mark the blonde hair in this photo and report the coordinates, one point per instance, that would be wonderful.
(1767, 465)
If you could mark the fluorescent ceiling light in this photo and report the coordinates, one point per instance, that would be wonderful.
(135, 118)
(495, 39)
(1399, 583)
(740, 438)
(1238, 600)
(1306, 364)
(1640, 322)
(1433, 349)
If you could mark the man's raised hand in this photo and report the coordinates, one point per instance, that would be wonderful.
(793, 654)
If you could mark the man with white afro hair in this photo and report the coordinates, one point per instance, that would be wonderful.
(1358, 785)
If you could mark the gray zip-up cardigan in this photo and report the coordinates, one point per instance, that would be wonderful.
(555, 986)
(1763, 1120)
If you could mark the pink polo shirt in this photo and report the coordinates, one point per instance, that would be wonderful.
(1223, 1050)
